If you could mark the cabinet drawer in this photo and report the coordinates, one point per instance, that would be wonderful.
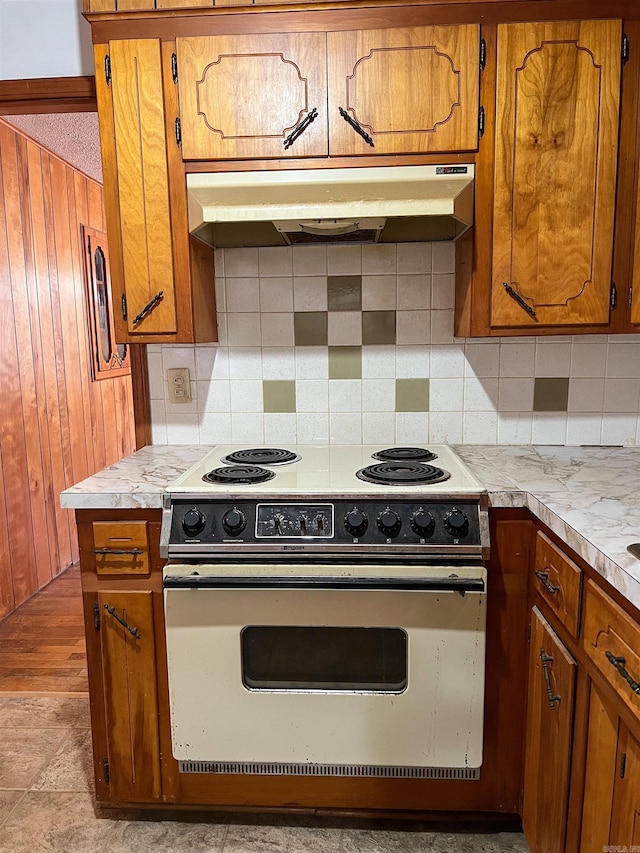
(559, 581)
(612, 641)
(121, 548)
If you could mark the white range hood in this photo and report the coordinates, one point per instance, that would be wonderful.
(387, 204)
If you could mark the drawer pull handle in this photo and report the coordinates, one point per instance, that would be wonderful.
(546, 661)
(356, 126)
(300, 128)
(543, 577)
(112, 612)
(134, 551)
(619, 663)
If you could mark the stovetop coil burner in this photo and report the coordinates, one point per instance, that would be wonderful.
(261, 456)
(405, 454)
(402, 474)
(232, 474)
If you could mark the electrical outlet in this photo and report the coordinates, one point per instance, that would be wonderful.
(179, 385)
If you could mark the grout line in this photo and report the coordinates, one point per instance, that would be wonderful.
(4, 820)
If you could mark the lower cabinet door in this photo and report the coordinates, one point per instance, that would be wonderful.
(625, 819)
(552, 673)
(130, 695)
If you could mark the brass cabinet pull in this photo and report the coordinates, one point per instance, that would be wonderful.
(619, 664)
(112, 612)
(300, 128)
(546, 661)
(543, 577)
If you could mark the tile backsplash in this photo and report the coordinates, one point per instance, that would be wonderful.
(350, 344)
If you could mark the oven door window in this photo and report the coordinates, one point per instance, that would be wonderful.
(291, 657)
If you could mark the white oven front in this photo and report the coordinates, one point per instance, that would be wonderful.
(298, 668)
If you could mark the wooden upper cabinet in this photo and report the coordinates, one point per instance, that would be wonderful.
(253, 96)
(410, 90)
(558, 97)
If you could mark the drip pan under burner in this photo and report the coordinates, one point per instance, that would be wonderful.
(261, 456)
(402, 474)
(405, 454)
(246, 474)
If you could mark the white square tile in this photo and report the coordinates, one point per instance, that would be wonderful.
(239, 263)
(344, 328)
(279, 428)
(276, 294)
(278, 363)
(378, 362)
(310, 293)
(586, 395)
(379, 259)
(515, 427)
(480, 428)
(158, 422)
(215, 428)
(619, 429)
(309, 260)
(623, 360)
(245, 363)
(441, 327)
(480, 395)
(413, 327)
(443, 257)
(413, 292)
(412, 362)
(621, 395)
(243, 295)
(378, 427)
(183, 429)
(378, 292)
(344, 260)
(515, 395)
(246, 430)
(312, 428)
(312, 395)
(414, 257)
(205, 360)
(446, 395)
(275, 261)
(345, 395)
(378, 395)
(583, 428)
(552, 359)
(190, 408)
(549, 428)
(482, 360)
(214, 396)
(447, 361)
(623, 339)
(443, 290)
(218, 260)
(222, 330)
(312, 362)
(517, 359)
(246, 395)
(157, 381)
(243, 330)
(588, 359)
(445, 427)
(154, 347)
(345, 428)
(178, 356)
(412, 428)
(277, 330)
(220, 286)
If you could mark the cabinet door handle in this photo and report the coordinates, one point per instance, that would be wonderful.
(112, 612)
(543, 577)
(134, 551)
(619, 664)
(148, 308)
(515, 295)
(546, 661)
(300, 128)
(357, 127)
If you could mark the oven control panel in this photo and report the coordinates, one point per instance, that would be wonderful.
(294, 520)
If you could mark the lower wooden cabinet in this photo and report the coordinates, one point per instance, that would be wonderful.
(625, 818)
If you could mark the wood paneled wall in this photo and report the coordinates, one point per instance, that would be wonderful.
(57, 426)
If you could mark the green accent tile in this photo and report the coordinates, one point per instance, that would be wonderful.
(279, 395)
(310, 328)
(345, 362)
(412, 395)
(344, 292)
(379, 327)
(550, 394)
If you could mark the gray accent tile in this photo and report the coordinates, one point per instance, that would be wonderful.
(205, 832)
(279, 395)
(378, 327)
(550, 394)
(412, 395)
(72, 768)
(345, 362)
(242, 838)
(344, 292)
(310, 328)
(24, 753)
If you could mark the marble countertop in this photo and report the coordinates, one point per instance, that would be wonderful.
(589, 496)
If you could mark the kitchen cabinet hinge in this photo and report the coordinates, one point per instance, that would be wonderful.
(521, 802)
(178, 133)
(481, 120)
(625, 48)
(623, 764)
(96, 616)
(483, 54)
(105, 770)
(630, 298)
(174, 68)
(123, 303)
(107, 69)
(613, 298)
(529, 633)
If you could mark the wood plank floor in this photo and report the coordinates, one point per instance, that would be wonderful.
(42, 648)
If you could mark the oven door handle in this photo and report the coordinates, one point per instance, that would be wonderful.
(454, 584)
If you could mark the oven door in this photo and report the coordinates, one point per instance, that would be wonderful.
(296, 665)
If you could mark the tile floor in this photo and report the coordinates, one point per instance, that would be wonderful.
(46, 804)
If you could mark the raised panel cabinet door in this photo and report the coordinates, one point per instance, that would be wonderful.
(253, 96)
(558, 97)
(625, 821)
(132, 129)
(405, 90)
(130, 695)
(552, 673)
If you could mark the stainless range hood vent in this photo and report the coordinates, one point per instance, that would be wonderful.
(311, 206)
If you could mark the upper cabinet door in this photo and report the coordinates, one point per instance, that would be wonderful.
(253, 96)
(558, 98)
(404, 91)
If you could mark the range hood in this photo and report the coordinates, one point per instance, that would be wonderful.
(391, 204)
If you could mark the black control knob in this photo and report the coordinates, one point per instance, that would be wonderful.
(234, 521)
(456, 523)
(389, 523)
(193, 521)
(356, 521)
(422, 523)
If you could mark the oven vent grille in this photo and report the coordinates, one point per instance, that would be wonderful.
(363, 770)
